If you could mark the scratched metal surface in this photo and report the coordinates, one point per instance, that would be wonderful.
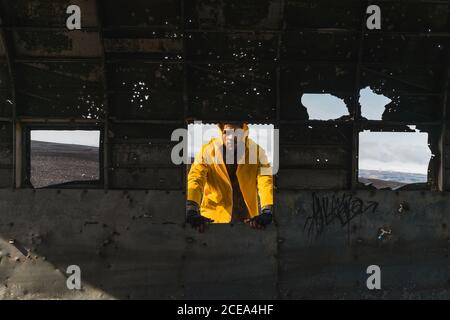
(134, 245)
(329, 239)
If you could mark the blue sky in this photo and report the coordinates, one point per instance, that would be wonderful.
(387, 151)
(326, 107)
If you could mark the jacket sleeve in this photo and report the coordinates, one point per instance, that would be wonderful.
(197, 178)
(265, 179)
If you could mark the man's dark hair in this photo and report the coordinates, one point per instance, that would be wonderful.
(221, 125)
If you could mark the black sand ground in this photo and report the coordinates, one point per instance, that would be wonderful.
(55, 163)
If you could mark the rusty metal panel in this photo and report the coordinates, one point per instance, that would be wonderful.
(447, 179)
(411, 108)
(413, 79)
(344, 14)
(6, 155)
(6, 177)
(137, 168)
(447, 158)
(328, 239)
(116, 262)
(230, 262)
(237, 14)
(141, 155)
(5, 92)
(154, 207)
(415, 16)
(45, 43)
(313, 179)
(146, 91)
(2, 48)
(319, 47)
(142, 132)
(130, 247)
(229, 46)
(142, 13)
(59, 74)
(448, 106)
(232, 92)
(446, 155)
(5, 81)
(62, 104)
(320, 134)
(147, 178)
(314, 156)
(134, 246)
(46, 13)
(403, 50)
(158, 47)
(60, 89)
(311, 78)
(6, 133)
(415, 91)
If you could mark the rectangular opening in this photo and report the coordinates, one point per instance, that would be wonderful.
(209, 135)
(392, 160)
(63, 158)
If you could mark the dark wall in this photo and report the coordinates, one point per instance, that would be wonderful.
(134, 245)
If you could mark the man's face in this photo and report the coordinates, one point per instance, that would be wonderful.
(230, 135)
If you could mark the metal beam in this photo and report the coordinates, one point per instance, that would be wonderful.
(442, 176)
(430, 34)
(355, 111)
(278, 59)
(57, 120)
(184, 60)
(9, 52)
(185, 79)
(132, 58)
(105, 99)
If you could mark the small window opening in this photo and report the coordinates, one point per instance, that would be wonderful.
(372, 105)
(324, 106)
(393, 159)
(60, 157)
(212, 198)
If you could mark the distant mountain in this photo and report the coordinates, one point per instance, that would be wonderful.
(402, 177)
(390, 179)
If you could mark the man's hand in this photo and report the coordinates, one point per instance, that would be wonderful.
(195, 219)
(262, 220)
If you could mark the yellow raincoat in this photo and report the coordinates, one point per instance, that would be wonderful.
(209, 184)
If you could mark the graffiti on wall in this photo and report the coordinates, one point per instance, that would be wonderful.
(336, 208)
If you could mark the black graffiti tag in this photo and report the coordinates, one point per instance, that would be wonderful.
(342, 208)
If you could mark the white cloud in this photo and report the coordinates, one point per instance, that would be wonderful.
(394, 151)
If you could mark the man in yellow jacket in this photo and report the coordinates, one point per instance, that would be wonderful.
(230, 180)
